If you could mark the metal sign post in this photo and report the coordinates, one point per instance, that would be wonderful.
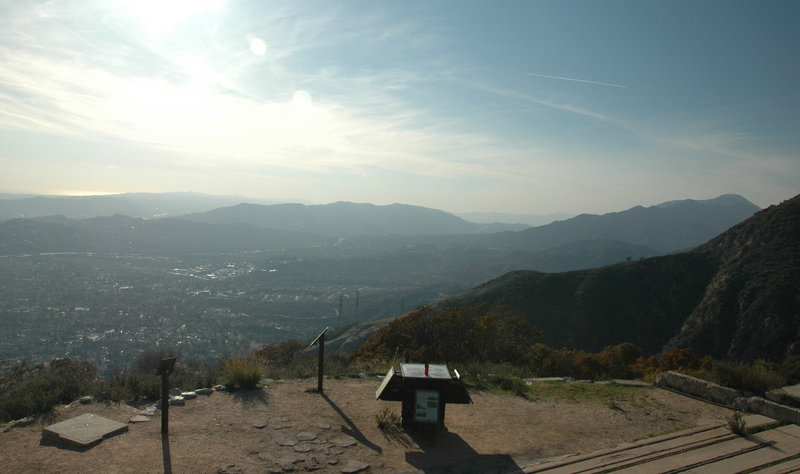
(320, 340)
(165, 368)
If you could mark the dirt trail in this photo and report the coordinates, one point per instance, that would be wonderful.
(337, 431)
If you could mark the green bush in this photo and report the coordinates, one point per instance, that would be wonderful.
(37, 390)
(756, 379)
(503, 378)
(242, 373)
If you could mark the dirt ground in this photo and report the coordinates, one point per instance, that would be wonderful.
(286, 427)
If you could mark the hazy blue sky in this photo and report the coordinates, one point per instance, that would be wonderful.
(513, 106)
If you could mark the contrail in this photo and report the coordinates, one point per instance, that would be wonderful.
(547, 76)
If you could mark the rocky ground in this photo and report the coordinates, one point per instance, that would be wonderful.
(287, 427)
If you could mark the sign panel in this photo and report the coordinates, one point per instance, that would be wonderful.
(386, 380)
(426, 407)
(435, 371)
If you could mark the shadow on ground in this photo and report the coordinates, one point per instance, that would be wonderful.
(447, 452)
(251, 397)
(351, 430)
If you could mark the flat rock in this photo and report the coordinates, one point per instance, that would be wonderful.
(266, 456)
(85, 430)
(204, 391)
(259, 423)
(343, 441)
(229, 469)
(353, 466)
(631, 383)
(321, 425)
(306, 436)
(287, 462)
(302, 447)
(139, 419)
(149, 411)
(189, 395)
(547, 379)
(282, 441)
(177, 401)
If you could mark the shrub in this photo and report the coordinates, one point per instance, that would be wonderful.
(737, 425)
(545, 361)
(37, 390)
(242, 373)
(453, 334)
(756, 379)
(496, 378)
(387, 419)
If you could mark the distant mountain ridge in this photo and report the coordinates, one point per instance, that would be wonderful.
(348, 219)
(667, 227)
(146, 205)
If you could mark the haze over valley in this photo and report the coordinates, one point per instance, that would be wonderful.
(230, 279)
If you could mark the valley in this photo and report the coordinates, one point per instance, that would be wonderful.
(105, 289)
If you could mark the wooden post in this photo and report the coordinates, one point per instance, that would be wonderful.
(320, 340)
(164, 403)
(165, 368)
(321, 371)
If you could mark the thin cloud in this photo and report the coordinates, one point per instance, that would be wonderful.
(572, 79)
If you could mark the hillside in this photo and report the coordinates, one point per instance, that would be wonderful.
(751, 308)
(734, 297)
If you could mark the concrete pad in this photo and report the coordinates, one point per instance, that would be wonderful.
(793, 391)
(755, 422)
(85, 430)
(631, 383)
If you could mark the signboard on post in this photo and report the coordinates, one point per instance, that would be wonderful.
(320, 341)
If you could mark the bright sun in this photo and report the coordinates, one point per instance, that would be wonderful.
(159, 16)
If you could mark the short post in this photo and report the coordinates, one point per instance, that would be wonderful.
(165, 368)
(320, 341)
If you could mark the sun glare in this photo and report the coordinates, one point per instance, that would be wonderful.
(158, 16)
(257, 46)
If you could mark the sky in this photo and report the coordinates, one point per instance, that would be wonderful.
(527, 107)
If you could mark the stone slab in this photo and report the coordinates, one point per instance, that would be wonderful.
(755, 422)
(85, 430)
(631, 383)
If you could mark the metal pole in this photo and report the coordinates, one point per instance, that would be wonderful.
(321, 371)
(164, 403)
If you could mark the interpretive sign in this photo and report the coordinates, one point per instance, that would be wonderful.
(424, 390)
(426, 409)
(320, 341)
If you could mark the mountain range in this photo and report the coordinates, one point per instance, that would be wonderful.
(736, 297)
(449, 245)
(261, 273)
